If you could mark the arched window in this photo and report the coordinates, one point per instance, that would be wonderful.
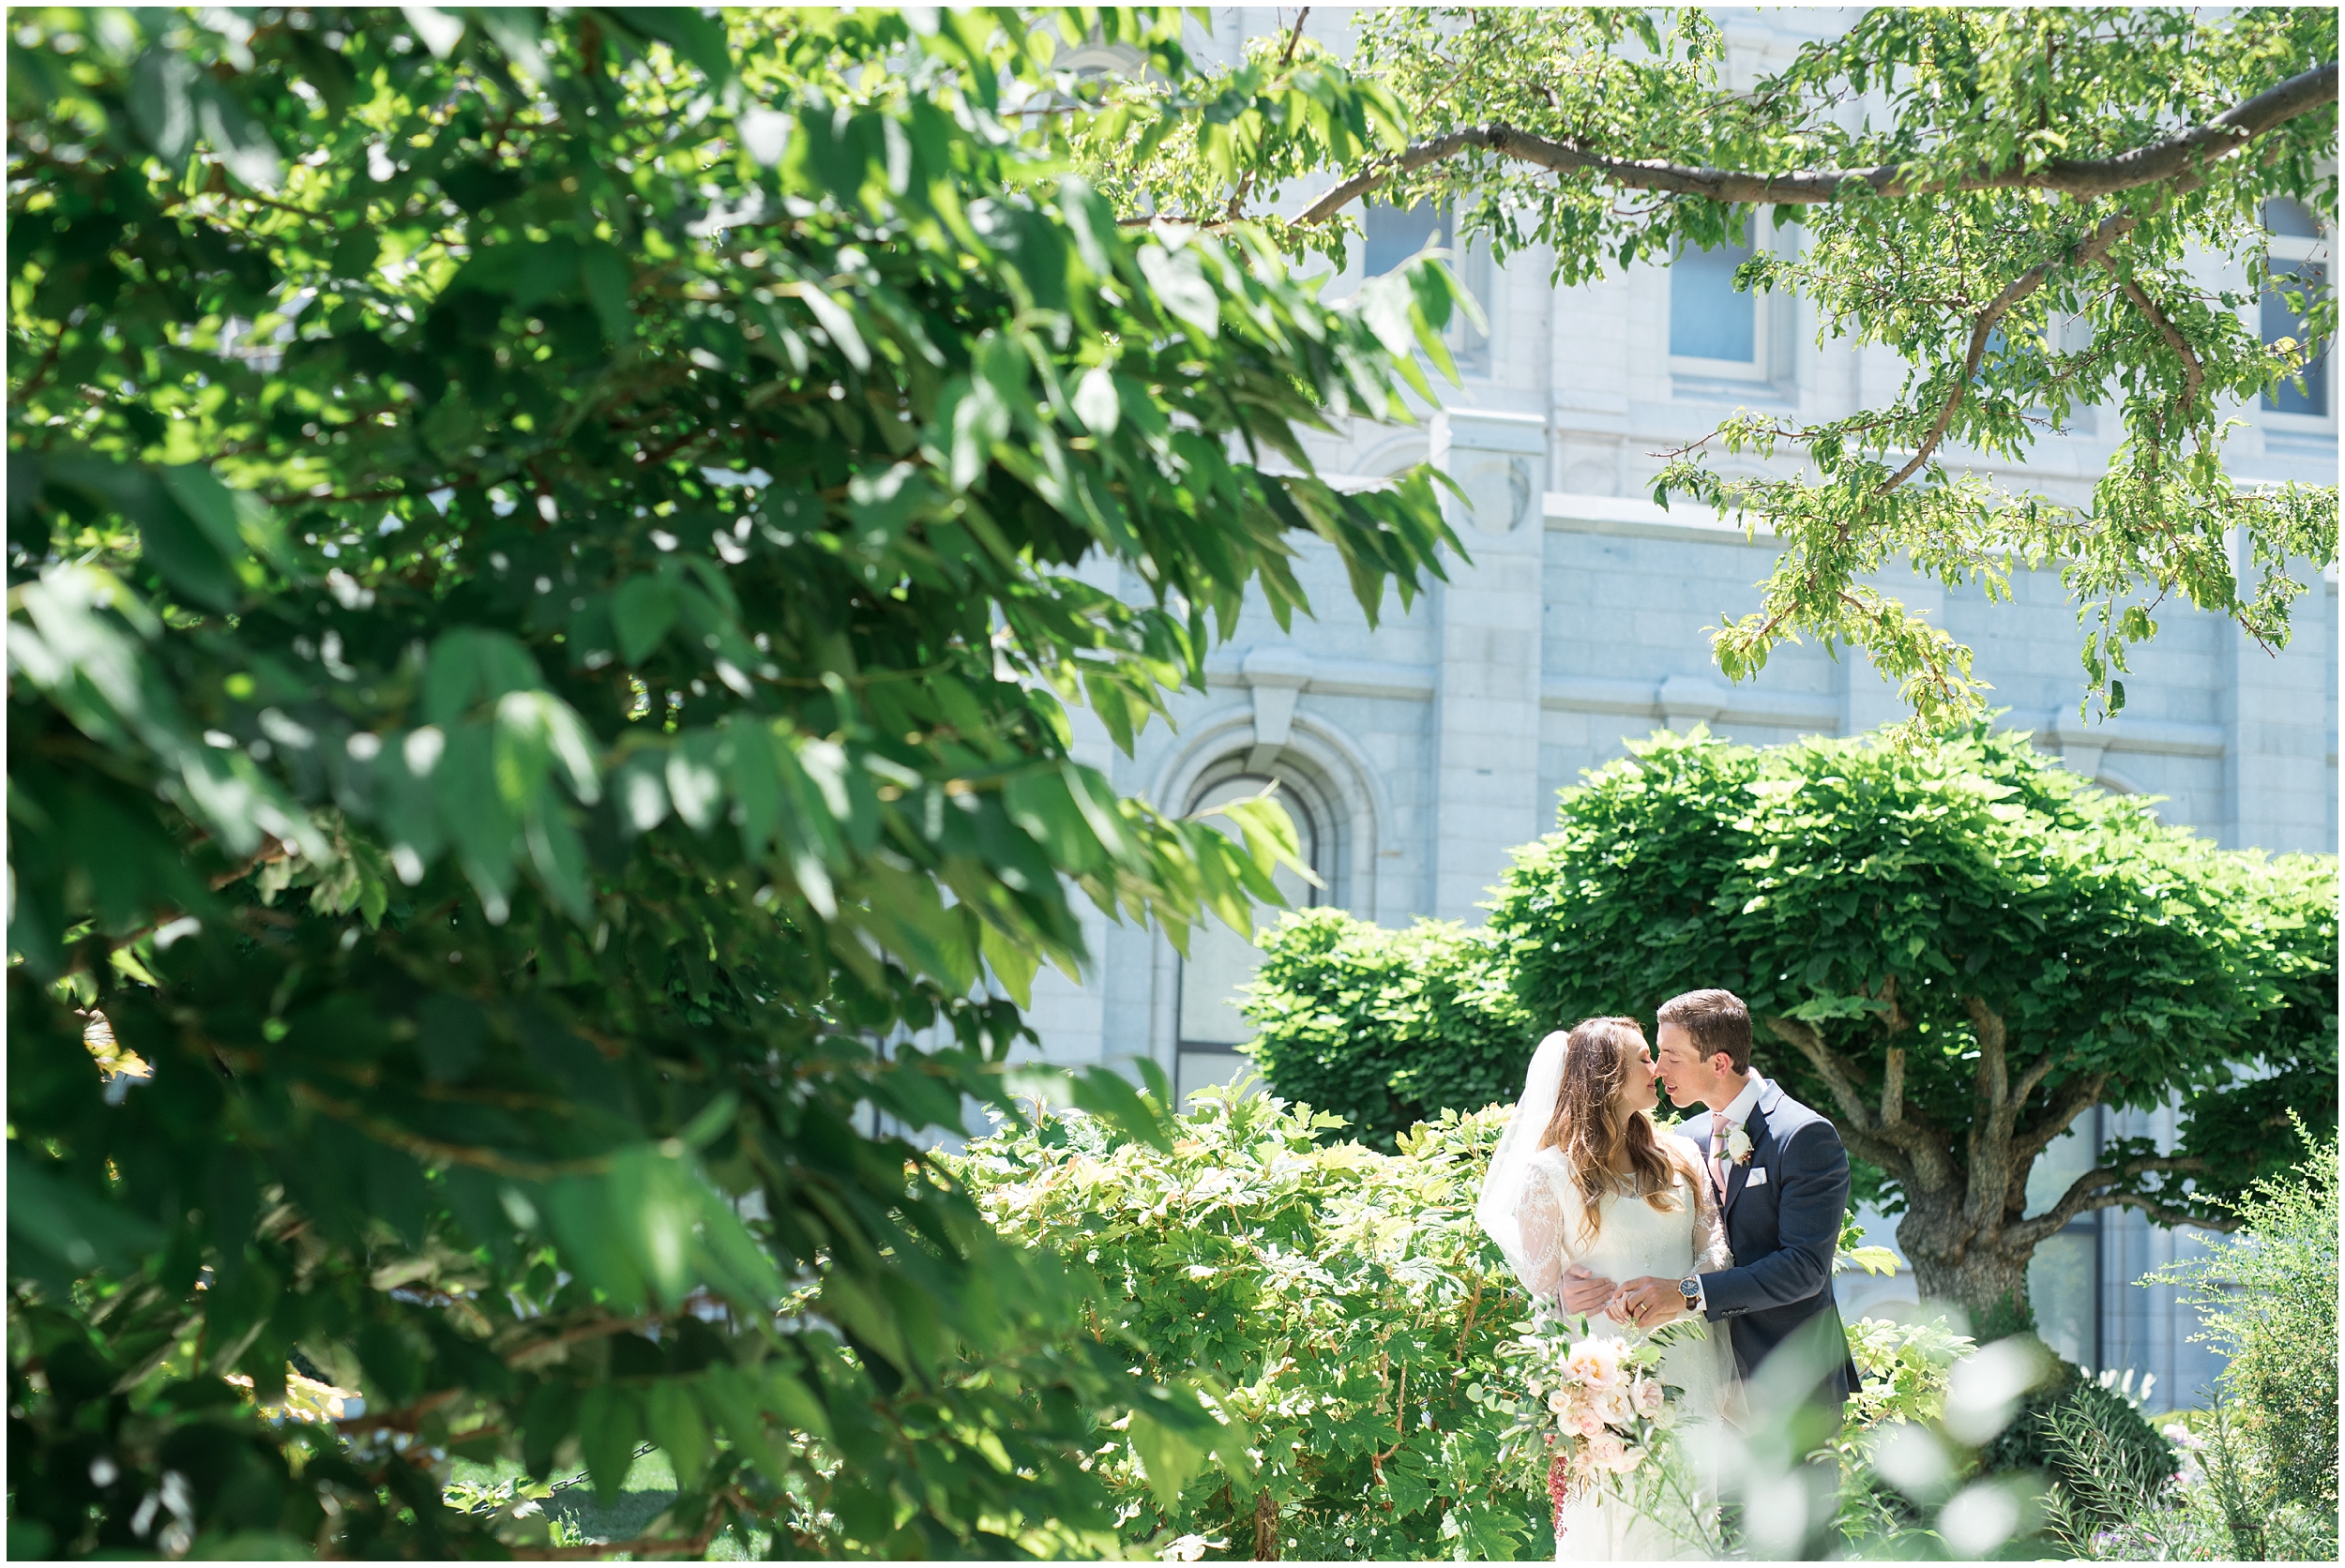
(1211, 1028)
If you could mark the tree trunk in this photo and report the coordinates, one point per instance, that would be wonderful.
(1953, 1262)
(1266, 1527)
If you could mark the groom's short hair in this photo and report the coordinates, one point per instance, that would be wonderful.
(1718, 1020)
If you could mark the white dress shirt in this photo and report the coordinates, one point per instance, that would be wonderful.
(1738, 1112)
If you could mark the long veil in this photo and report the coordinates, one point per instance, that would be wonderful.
(1510, 1167)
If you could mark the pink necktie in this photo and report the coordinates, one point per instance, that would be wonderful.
(1718, 1126)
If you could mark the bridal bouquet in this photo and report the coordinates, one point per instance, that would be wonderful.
(1590, 1407)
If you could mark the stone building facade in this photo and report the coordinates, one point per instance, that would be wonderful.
(1416, 752)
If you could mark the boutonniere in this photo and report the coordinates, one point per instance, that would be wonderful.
(1738, 1146)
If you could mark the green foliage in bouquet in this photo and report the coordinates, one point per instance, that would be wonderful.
(1339, 1302)
(549, 558)
(1557, 1368)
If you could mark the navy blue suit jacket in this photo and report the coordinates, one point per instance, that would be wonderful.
(1784, 1229)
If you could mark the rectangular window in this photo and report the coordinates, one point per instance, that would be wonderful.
(2297, 277)
(1479, 275)
(1714, 329)
(2064, 1276)
(1396, 233)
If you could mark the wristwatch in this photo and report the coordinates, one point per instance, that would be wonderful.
(1690, 1287)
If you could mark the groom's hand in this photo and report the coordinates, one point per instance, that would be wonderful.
(1585, 1292)
(1650, 1302)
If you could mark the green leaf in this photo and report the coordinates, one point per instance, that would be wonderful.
(609, 1427)
(164, 87)
(698, 38)
(470, 665)
(1097, 402)
(729, 1398)
(1179, 285)
(641, 611)
(1107, 1093)
(1012, 962)
(192, 556)
(239, 136)
(674, 1418)
(69, 1230)
(603, 272)
(1169, 1458)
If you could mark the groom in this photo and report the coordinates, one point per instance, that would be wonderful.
(1781, 1178)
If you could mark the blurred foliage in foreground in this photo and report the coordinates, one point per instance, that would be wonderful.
(543, 602)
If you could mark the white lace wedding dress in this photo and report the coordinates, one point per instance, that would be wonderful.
(1632, 1240)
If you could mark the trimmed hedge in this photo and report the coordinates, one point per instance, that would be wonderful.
(1386, 1028)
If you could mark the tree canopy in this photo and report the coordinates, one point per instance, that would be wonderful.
(543, 615)
(1953, 950)
(2038, 211)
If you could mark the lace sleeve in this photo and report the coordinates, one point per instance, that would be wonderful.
(1541, 1216)
(1711, 1253)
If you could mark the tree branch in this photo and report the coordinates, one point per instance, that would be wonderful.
(2089, 1191)
(2083, 178)
(430, 1150)
(1990, 1140)
(2081, 1095)
(2193, 372)
(406, 1420)
(642, 1546)
(1245, 182)
(1911, 1151)
(1294, 38)
(2092, 247)
(2030, 1079)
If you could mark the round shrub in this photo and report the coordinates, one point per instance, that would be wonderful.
(2028, 1443)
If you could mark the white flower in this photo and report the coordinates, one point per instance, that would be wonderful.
(1596, 1363)
(1738, 1145)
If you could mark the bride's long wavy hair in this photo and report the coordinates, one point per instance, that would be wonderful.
(1596, 1070)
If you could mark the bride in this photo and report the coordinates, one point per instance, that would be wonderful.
(1582, 1185)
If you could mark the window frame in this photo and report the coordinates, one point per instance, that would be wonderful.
(1475, 354)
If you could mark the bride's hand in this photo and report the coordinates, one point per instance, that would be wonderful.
(1586, 1292)
(1617, 1310)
